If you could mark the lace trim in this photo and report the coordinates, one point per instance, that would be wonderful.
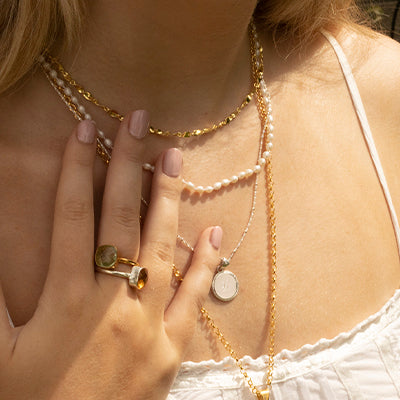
(310, 356)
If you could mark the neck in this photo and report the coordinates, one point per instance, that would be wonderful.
(176, 59)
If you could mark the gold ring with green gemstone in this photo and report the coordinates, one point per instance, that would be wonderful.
(106, 258)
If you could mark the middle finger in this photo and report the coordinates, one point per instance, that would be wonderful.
(119, 224)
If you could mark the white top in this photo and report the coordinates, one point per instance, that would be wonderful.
(361, 364)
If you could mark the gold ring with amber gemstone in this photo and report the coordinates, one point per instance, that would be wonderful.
(106, 258)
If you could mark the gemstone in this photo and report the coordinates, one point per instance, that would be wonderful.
(138, 277)
(106, 256)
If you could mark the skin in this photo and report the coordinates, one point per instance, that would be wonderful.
(337, 256)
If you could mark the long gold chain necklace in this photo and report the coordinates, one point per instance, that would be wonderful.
(265, 114)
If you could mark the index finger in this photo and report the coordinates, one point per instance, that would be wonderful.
(71, 259)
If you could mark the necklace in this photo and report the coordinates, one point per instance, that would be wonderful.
(265, 114)
(48, 59)
(56, 73)
(225, 285)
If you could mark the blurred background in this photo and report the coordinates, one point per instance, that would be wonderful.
(385, 15)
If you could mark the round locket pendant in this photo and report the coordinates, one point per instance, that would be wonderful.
(225, 285)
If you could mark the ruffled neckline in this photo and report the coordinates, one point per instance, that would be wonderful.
(309, 356)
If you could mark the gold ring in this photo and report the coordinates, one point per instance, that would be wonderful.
(106, 258)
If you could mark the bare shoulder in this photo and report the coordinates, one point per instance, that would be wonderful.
(375, 61)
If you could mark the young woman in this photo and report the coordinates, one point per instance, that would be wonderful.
(290, 172)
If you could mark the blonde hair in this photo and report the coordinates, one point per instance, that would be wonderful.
(28, 27)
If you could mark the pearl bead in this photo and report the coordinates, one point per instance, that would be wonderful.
(234, 179)
(257, 169)
(81, 109)
(60, 82)
(269, 145)
(270, 136)
(199, 189)
(241, 175)
(101, 134)
(68, 91)
(41, 59)
(147, 167)
(271, 127)
(46, 66)
(263, 85)
(270, 118)
(261, 161)
(217, 185)
(209, 189)
(53, 73)
(74, 100)
(108, 143)
(266, 154)
(249, 172)
(225, 182)
(190, 185)
(88, 117)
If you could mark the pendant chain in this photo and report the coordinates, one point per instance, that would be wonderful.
(265, 116)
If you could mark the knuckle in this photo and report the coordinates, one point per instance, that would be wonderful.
(125, 216)
(82, 160)
(133, 156)
(164, 251)
(170, 191)
(75, 209)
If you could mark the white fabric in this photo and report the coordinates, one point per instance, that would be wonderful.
(362, 364)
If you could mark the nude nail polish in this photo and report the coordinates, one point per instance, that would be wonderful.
(86, 132)
(138, 125)
(172, 163)
(216, 237)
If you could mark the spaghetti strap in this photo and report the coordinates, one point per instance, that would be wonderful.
(362, 117)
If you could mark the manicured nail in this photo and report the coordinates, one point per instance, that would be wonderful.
(172, 163)
(139, 123)
(216, 237)
(86, 132)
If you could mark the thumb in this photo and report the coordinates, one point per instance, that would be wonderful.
(182, 314)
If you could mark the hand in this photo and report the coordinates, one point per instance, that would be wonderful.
(92, 336)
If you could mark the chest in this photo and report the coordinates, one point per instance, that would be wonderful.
(337, 257)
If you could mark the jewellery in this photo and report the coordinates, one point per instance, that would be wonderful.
(137, 277)
(106, 258)
(225, 285)
(266, 120)
(52, 68)
(115, 114)
(265, 111)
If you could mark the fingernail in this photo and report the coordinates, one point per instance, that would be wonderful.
(86, 132)
(139, 124)
(172, 163)
(216, 237)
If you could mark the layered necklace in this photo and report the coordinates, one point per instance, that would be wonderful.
(225, 284)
